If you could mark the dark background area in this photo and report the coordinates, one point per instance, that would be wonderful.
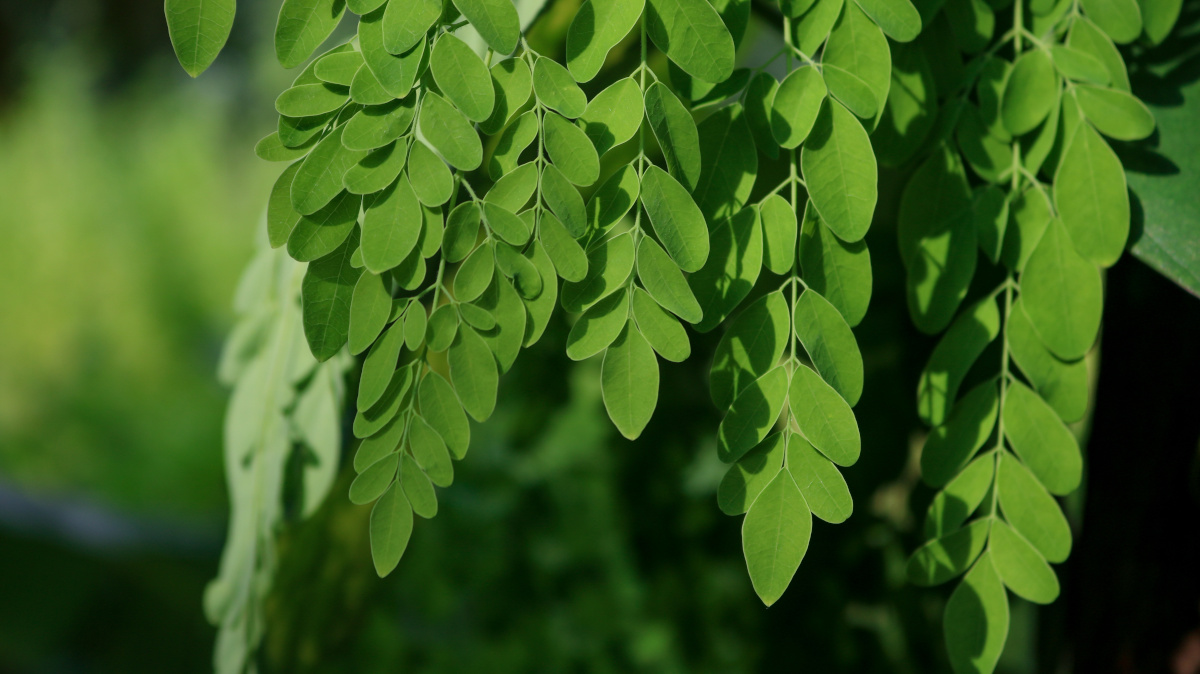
(130, 200)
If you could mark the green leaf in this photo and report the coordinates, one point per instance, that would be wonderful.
(752, 415)
(629, 382)
(370, 307)
(775, 536)
(391, 227)
(512, 83)
(1086, 37)
(1029, 92)
(1158, 18)
(512, 142)
(474, 274)
(796, 105)
(919, 217)
(820, 482)
(614, 115)
(556, 89)
(302, 26)
(406, 22)
(898, 18)
(973, 24)
(830, 344)
(950, 446)
(989, 157)
(609, 265)
(441, 409)
(379, 367)
(665, 283)
(496, 21)
(1115, 113)
(1062, 296)
(676, 219)
(570, 149)
(540, 308)
(824, 418)
(473, 373)
(1121, 20)
(858, 48)
(396, 74)
(326, 293)
(391, 527)
(450, 133)
(733, 264)
(281, 217)
(1078, 65)
(946, 558)
(505, 224)
(839, 169)
(990, 207)
(443, 325)
(597, 27)
(502, 301)
(940, 273)
(976, 619)
(730, 163)
(1021, 567)
(375, 480)
(462, 77)
(381, 444)
(612, 200)
(1039, 437)
(814, 25)
(1031, 510)
(1029, 215)
(747, 478)
(378, 169)
(377, 125)
(676, 134)
(752, 345)
(271, 148)
(567, 255)
(319, 179)
(308, 100)
(662, 330)
(198, 30)
(431, 180)
(418, 489)
(759, 102)
(598, 327)
(513, 191)
(953, 356)
(1063, 385)
(779, 234)
(960, 497)
(365, 89)
(564, 201)
(373, 420)
(430, 452)
(839, 271)
(691, 33)
(910, 109)
(462, 231)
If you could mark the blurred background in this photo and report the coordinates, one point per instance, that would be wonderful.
(129, 199)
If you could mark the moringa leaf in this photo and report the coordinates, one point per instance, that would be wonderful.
(496, 21)
(391, 527)
(556, 89)
(302, 26)
(691, 33)
(198, 30)
(830, 344)
(664, 282)
(1041, 440)
(676, 219)
(450, 133)
(676, 134)
(839, 169)
(326, 294)
(462, 77)
(824, 418)
(597, 27)
(775, 536)
(629, 382)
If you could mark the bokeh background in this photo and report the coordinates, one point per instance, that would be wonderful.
(129, 198)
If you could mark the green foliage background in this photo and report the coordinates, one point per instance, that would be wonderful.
(128, 205)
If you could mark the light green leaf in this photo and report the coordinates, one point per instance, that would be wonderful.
(396, 74)
(898, 18)
(381, 444)
(496, 21)
(1086, 37)
(911, 108)
(540, 308)
(1063, 385)
(796, 104)
(415, 324)
(779, 234)
(820, 482)
(1029, 92)
(665, 283)
(950, 446)
(752, 345)
(953, 356)
(326, 293)
(857, 47)
(564, 201)
(676, 219)
(319, 178)
(1021, 567)
(198, 30)
(733, 264)
(676, 133)
(502, 301)
(1076, 64)
(281, 217)
(391, 227)
(747, 478)
(1029, 214)
(377, 125)
(1121, 20)
(960, 497)
(302, 26)
(474, 274)
(598, 327)
(1062, 295)
(556, 89)
(614, 115)
(839, 169)
(379, 367)
(570, 149)
(375, 480)
(450, 133)
(775, 536)
(271, 148)
(752, 415)
(989, 157)
(462, 77)
(365, 89)
(513, 191)
(815, 24)
(473, 373)
(505, 224)
(662, 330)
(730, 163)
(1158, 18)
(1031, 510)
(431, 180)
(609, 266)
(406, 22)
(830, 344)
(443, 325)
(940, 273)
(945, 558)
(629, 382)
(568, 257)
(1041, 440)
(612, 201)
(824, 418)
(1115, 113)
(418, 489)
(441, 409)
(430, 452)
(378, 169)
(512, 83)
(462, 231)
(976, 619)
(839, 271)
(597, 27)
(309, 100)
(391, 527)
(370, 307)
(691, 33)
(759, 102)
